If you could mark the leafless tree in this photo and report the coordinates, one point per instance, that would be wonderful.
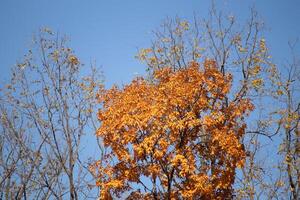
(46, 116)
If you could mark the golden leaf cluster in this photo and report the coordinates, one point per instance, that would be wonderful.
(180, 132)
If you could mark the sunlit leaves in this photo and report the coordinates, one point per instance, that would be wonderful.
(178, 131)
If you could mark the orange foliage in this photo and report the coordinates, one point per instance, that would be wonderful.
(175, 137)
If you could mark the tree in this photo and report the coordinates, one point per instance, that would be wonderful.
(241, 50)
(174, 137)
(46, 112)
(289, 118)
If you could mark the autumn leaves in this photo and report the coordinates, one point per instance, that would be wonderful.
(175, 136)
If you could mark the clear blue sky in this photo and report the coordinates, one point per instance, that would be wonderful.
(109, 32)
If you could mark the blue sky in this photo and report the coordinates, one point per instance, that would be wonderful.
(110, 32)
